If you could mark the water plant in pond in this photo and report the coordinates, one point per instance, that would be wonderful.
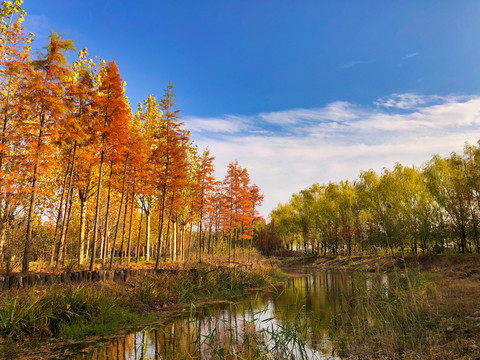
(254, 341)
(387, 316)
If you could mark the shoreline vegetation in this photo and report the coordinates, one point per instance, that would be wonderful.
(45, 319)
(432, 310)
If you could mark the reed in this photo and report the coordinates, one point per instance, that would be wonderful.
(388, 319)
(74, 311)
(285, 340)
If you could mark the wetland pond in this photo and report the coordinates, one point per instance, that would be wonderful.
(291, 322)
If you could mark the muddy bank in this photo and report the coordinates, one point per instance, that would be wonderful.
(457, 265)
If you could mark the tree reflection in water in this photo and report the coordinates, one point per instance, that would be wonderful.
(293, 321)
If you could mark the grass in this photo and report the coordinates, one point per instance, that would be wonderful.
(49, 312)
(73, 311)
(286, 341)
(414, 316)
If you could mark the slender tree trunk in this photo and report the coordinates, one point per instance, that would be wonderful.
(130, 231)
(160, 226)
(70, 202)
(122, 247)
(59, 217)
(209, 247)
(139, 235)
(31, 211)
(174, 241)
(33, 200)
(200, 243)
(68, 206)
(250, 245)
(83, 214)
(97, 214)
(189, 241)
(114, 245)
(183, 241)
(147, 234)
(167, 241)
(106, 232)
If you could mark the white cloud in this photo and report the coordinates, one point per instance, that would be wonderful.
(403, 101)
(289, 150)
(409, 56)
(227, 124)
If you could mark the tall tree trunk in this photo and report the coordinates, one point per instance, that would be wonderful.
(189, 241)
(167, 241)
(114, 245)
(139, 235)
(33, 199)
(68, 203)
(209, 245)
(106, 232)
(182, 242)
(160, 226)
(97, 214)
(147, 234)
(174, 241)
(130, 231)
(66, 228)
(59, 216)
(122, 247)
(83, 214)
(200, 223)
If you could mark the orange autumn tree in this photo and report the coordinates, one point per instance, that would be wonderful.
(149, 117)
(205, 179)
(43, 110)
(231, 198)
(67, 135)
(239, 200)
(84, 109)
(76, 141)
(169, 158)
(14, 57)
(112, 119)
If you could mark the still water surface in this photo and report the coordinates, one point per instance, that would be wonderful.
(304, 308)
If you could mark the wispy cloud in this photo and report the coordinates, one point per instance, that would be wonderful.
(403, 101)
(410, 56)
(286, 151)
(350, 64)
(227, 124)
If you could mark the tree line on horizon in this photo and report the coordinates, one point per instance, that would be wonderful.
(430, 208)
(83, 179)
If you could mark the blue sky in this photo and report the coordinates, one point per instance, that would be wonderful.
(296, 91)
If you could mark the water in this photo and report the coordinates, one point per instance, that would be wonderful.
(292, 322)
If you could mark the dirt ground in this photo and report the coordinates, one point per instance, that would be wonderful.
(456, 306)
(451, 265)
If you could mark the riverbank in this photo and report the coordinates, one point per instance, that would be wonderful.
(38, 323)
(432, 310)
(452, 265)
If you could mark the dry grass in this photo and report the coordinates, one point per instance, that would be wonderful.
(431, 316)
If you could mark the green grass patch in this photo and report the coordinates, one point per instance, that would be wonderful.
(73, 311)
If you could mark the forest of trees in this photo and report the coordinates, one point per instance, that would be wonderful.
(429, 209)
(85, 181)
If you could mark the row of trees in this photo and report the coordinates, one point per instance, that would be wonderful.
(82, 177)
(428, 208)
